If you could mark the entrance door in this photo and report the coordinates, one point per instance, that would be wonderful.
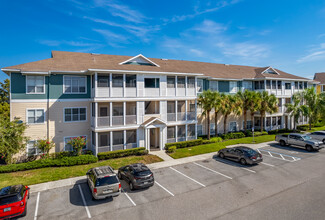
(154, 139)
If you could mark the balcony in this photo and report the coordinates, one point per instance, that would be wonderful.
(103, 149)
(131, 145)
(179, 139)
(103, 121)
(117, 120)
(190, 116)
(130, 119)
(181, 116)
(171, 140)
(171, 116)
(190, 138)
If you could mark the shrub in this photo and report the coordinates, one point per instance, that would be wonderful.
(45, 145)
(171, 149)
(59, 155)
(280, 131)
(78, 143)
(213, 140)
(122, 153)
(256, 133)
(87, 152)
(234, 135)
(303, 127)
(48, 162)
(184, 144)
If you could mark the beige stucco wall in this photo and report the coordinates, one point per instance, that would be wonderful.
(58, 129)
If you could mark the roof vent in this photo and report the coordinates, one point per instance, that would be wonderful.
(95, 53)
(227, 64)
(164, 59)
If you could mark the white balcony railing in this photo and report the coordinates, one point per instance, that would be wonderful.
(117, 120)
(130, 119)
(190, 138)
(151, 92)
(181, 116)
(103, 149)
(190, 115)
(181, 139)
(171, 116)
(171, 140)
(103, 121)
(118, 147)
(131, 145)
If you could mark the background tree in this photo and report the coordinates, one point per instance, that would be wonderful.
(312, 105)
(229, 104)
(4, 99)
(253, 104)
(206, 101)
(268, 103)
(295, 109)
(217, 109)
(244, 98)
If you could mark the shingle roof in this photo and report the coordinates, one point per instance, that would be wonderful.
(320, 77)
(74, 61)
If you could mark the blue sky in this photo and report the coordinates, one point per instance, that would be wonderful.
(289, 35)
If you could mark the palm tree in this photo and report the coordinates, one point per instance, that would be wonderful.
(206, 101)
(295, 109)
(268, 103)
(253, 104)
(312, 107)
(217, 109)
(244, 98)
(229, 104)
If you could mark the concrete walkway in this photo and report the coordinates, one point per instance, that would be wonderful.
(168, 161)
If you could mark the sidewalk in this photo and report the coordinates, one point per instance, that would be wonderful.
(168, 161)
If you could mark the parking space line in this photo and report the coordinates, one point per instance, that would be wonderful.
(164, 188)
(272, 153)
(267, 164)
(36, 207)
(212, 170)
(187, 176)
(125, 193)
(253, 171)
(84, 201)
(232, 163)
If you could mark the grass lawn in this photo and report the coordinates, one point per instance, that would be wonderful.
(316, 129)
(30, 177)
(208, 148)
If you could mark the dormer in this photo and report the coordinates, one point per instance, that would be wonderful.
(139, 60)
(270, 70)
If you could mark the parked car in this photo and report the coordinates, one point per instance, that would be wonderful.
(103, 182)
(13, 201)
(318, 135)
(136, 175)
(300, 140)
(244, 155)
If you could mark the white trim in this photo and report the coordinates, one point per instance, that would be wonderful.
(73, 137)
(26, 118)
(272, 69)
(71, 114)
(161, 98)
(116, 128)
(156, 119)
(10, 70)
(51, 100)
(73, 93)
(35, 93)
(143, 57)
(143, 72)
(33, 73)
(32, 147)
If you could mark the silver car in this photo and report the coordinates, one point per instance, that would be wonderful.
(318, 135)
(103, 182)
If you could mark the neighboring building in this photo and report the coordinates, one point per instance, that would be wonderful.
(320, 77)
(122, 102)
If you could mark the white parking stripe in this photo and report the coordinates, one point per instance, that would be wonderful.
(36, 207)
(164, 188)
(84, 201)
(212, 170)
(187, 177)
(128, 197)
(249, 170)
(267, 164)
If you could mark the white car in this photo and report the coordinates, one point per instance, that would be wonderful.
(318, 135)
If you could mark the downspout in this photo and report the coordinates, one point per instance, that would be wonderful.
(48, 107)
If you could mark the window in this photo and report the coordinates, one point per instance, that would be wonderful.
(249, 125)
(233, 87)
(68, 147)
(74, 114)
(279, 102)
(32, 149)
(296, 85)
(199, 130)
(287, 86)
(191, 130)
(181, 131)
(190, 82)
(170, 132)
(279, 84)
(247, 85)
(256, 85)
(74, 84)
(117, 80)
(213, 85)
(35, 116)
(268, 84)
(268, 121)
(130, 81)
(103, 81)
(200, 85)
(300, 85)
(131, 136)
(262, 85)
(151, 82)
(152, 107)
(118, 137)
(305, 85)
(117, 109)
(103, 111)
(35, 84)
(257, 121)
(274, 121)
(181, 82)
(170, 81)
(232, 126)
(104, 139)
(273, 84)
(270, 71)
(279, 120)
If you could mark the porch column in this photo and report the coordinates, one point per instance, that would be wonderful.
(176, 110)
(160, 138)
(96, 114)
(124, 112)
(124, 139)
(186, 110)
(186, 132)
(176, 86)
(96, 143)
(124, 77)
(110, 85)
(111, 140)
(95, 89)
(185, 85)
(110, 113)
(176, 130)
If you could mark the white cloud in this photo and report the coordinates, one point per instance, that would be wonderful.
(54, 43)
(315, 54)
(208, 26)
(197, 52)
(112, 37)
(246, 50)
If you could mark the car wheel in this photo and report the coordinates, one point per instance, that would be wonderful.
(25, 211)
(324, 141)
(221, 155)
(309, 148)
(242, 161)
(282, 143)
(131, 186)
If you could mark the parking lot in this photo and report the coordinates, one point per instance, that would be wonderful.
(74, 202)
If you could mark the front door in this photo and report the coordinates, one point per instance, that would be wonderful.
(154, 139)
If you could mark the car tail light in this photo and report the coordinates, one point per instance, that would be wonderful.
(95, 190)
(21, 203)
(137, 178)
(253, 157)
(119, 186)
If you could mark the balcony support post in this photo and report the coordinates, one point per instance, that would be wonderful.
(96, 114)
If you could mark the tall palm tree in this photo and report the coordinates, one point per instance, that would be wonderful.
(217, 109)
(244, 98)
(268, 103)
(206, 101)
(229, 104)
(312, 105)
(253, 104)
(295, 109)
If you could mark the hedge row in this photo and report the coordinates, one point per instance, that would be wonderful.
(48, 162)
(279, 131)
(184, 144)
(122, 153)
(256, 133)
(234, 135)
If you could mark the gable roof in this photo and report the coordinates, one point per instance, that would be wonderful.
(320, 77)
(75, 61)
(151, 120)
(140, 58)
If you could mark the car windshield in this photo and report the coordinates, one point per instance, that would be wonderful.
(305, 137)
(143, 173)
(107, 180)
(9, 200)
(249, 151)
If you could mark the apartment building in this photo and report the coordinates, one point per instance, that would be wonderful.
(123, 102)
(320, 77)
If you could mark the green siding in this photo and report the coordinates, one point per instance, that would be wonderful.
(55, 90)
(223, 86)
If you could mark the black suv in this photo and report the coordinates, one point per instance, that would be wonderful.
(136, 175)
(103, 182)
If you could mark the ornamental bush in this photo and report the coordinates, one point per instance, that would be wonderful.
(122, 153)
(49, 162)
(78, 143)
(171, 149)
(234, 135)
(183, 144)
